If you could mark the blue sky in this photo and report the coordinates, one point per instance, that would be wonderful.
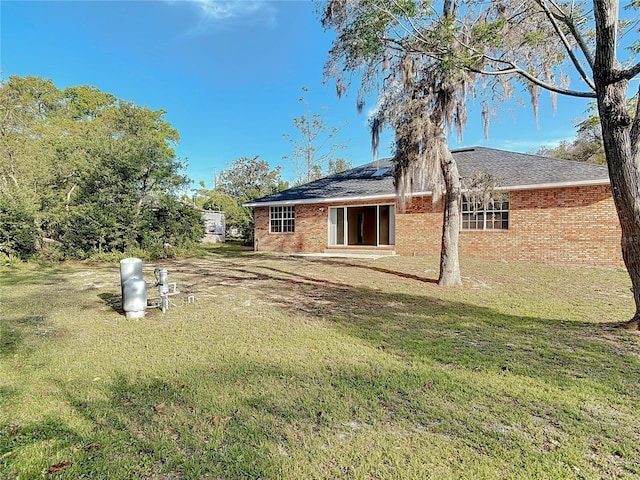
(228, 74)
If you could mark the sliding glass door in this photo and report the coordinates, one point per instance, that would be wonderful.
(372, 225)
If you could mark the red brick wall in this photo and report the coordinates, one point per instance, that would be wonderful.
(576, 225)
(312, 229)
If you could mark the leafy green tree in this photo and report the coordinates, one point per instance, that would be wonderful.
(250, 178)
(314, 146)
(29, 108)
(586, 147)
(96, 170)
(26, 104)
(245, 180)
(235, 215)
(169, 221)
(134, 171)
(535, 44)
(338, 165)
(18, 231)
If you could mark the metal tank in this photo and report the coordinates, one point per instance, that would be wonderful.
(133, 287)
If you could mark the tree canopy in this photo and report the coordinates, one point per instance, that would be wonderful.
(88, 172)
(586, 147)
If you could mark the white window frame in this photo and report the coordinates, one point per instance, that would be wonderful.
(483, 215)
(283, 218)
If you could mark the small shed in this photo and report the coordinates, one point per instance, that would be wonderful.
(214, 226)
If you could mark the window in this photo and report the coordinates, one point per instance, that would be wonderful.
(283, 219)
(380, 172)
(478, 215)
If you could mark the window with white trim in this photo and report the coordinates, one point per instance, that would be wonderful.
(480, 215)
(282, 219)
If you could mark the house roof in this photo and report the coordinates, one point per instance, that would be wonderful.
(510, 171)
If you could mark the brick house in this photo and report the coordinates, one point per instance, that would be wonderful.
(543, 210)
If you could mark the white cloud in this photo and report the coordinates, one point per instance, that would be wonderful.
(231, 12)
(231, 9)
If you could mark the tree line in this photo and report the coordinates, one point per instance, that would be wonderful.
(83, 173)
(246, 179)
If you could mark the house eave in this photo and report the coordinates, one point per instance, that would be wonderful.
(542, 186)
(366, 198)
(307, 201)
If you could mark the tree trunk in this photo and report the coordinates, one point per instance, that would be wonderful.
(449, 261)
(624, 173)
(620, 144)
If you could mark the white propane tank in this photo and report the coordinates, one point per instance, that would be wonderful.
(133, 287)
(129, 268)
(134, 297)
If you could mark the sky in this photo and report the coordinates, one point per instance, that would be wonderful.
(228, 74)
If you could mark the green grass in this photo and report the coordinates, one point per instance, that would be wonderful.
(319, 368)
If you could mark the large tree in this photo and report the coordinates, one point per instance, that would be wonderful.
(565, 47)
(247, 179)
(420, 97)
(87, 170)
(125, 191)
(587, 146)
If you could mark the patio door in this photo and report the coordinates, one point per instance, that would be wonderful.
(370, 225)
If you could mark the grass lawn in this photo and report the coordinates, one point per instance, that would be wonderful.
(310, 368)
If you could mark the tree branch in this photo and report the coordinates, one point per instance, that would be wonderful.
(558, 16)
(515, 70)
(565, 41)
(69, 193)
(588, 54)
(628, 74)
(413, 31)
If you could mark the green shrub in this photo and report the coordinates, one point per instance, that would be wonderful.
(18, 230)
(51, 254)
(9, 260)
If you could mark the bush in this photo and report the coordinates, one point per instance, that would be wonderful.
(9, 260)
(170, 224)
(51, 254)
(92, 232)
(18, 230)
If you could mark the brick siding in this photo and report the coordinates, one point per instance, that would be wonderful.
(573, 225)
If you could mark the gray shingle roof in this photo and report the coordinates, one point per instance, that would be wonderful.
(510, 170)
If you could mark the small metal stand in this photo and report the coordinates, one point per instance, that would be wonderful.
(163, 287)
